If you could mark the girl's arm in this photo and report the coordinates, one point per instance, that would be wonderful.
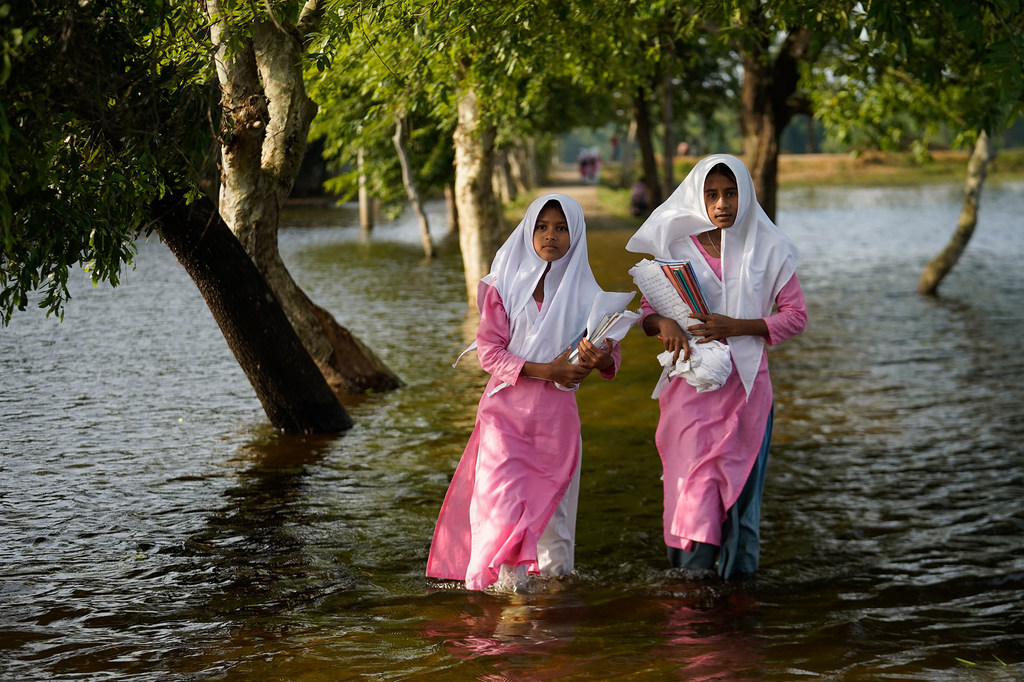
(790, 317)
(789, 320)
(492, 338)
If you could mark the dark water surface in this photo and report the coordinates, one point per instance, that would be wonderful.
(154, 528)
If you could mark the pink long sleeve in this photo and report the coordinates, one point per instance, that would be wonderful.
(790, 317)
(492, 337)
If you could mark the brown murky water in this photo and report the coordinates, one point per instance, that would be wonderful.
(154, 528)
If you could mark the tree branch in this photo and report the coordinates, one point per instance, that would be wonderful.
(310, 18)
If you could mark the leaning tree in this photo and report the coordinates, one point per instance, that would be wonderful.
(103, 111)
(261, 53)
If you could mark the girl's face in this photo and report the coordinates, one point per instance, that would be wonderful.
(721, 199)
(551, 234)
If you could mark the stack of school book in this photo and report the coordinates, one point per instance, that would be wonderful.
(671, 288)
(609, 319)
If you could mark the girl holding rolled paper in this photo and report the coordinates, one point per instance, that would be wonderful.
(714, 443)
(510, 510)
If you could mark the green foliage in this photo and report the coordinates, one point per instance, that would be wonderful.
(99, 116)
(380, 64)
(532, 73)
(919, 72)
(104, 105)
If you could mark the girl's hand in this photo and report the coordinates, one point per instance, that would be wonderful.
(674, 338)
(561, 371)
(592, 357)
(712, 327)
(717, 326)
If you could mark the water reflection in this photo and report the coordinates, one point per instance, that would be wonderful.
(508, 625)
(258, 544)
(704, 642)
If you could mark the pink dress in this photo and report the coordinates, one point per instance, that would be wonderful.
(708, 442)
(517, 465)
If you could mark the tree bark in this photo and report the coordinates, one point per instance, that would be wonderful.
(287, 382)
(410, 185)
(767, 106)
(942, 264)
(266, 123)
(480, 223)
(643, 135)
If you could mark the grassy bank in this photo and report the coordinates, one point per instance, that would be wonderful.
(878, 169)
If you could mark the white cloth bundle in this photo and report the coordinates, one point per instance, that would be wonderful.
(706, 369)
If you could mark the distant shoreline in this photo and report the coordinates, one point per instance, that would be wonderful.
(880, 169)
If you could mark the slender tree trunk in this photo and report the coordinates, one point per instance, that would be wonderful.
(812, 143)
(626, 170)
(503, 187)
(366, 212)
(768, 88)
(480, 223)
(532, 169)
(287, 382)
(266, 117)
(410, 185)
(644, 138)
(451, 210)
(977, 169)
(519, 168)
(668, 123)
(760, 134)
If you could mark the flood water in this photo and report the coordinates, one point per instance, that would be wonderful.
(155, 528)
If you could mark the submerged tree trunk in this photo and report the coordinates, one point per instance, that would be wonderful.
(287, 382)
(366, 212)
(266, 122)
(940, 266)
(451, 210)
(768, 105)
(480, 224)
(410, 185)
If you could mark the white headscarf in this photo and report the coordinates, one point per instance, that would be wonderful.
(569, 287)
(757, 257)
